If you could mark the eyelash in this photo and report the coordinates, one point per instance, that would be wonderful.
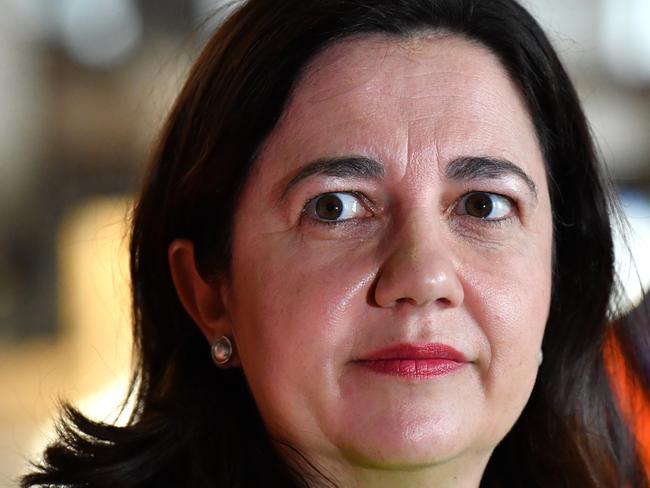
(365, 202)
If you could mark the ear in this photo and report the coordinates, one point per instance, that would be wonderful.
(204, 301)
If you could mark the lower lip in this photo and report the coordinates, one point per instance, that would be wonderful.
(412, 368)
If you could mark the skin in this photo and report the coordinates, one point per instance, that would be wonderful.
(307, 299)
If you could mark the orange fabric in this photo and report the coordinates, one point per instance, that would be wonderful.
(634, 404)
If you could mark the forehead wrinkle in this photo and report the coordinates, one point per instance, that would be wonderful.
(332, 92)
(371, 71)
(337, 58)
(421, 163)
(365, 78)
(459, 118)
(393, 84)
(372, 91)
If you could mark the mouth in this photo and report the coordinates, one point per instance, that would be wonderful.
(419, 361)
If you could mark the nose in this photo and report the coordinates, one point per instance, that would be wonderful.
(419, 270)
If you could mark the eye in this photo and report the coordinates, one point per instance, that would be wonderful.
(486, 206)
(334, 207)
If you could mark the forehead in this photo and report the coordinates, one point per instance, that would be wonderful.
(405, 99)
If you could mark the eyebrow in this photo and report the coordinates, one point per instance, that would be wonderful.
(345, 167)
(461, 169)
(482, 168)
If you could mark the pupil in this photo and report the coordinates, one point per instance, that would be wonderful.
(329, 207)
(479, 205)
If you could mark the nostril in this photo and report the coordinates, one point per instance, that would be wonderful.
(443, 302)
(406, 300)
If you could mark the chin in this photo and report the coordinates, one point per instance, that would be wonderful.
(406, 444)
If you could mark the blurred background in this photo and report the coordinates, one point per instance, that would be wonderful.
(84, 88)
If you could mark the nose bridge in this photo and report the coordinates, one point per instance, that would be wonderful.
(419, 267)
(413, 239)
(417, 225)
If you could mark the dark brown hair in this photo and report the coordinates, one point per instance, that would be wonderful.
(195, 425)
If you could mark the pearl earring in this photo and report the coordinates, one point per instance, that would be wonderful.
(540, 357)
(222, 351)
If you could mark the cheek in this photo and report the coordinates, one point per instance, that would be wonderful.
(511, 291)
(295, 317)
(301, 283)
(511, 301)
(297, 294)
(509, 297)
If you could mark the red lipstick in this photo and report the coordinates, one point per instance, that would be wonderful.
(414, 360)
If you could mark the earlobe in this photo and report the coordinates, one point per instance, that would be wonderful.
(203, 301)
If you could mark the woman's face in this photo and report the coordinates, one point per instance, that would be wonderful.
(391, 268)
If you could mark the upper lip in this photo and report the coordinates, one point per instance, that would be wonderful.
(416, 351)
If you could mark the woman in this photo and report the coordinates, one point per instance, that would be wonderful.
(386, 223)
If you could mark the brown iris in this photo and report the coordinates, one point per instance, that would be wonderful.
(479, 205)
(329, 207)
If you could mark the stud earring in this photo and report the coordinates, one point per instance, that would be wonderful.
(222, 351)
(540, 357)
